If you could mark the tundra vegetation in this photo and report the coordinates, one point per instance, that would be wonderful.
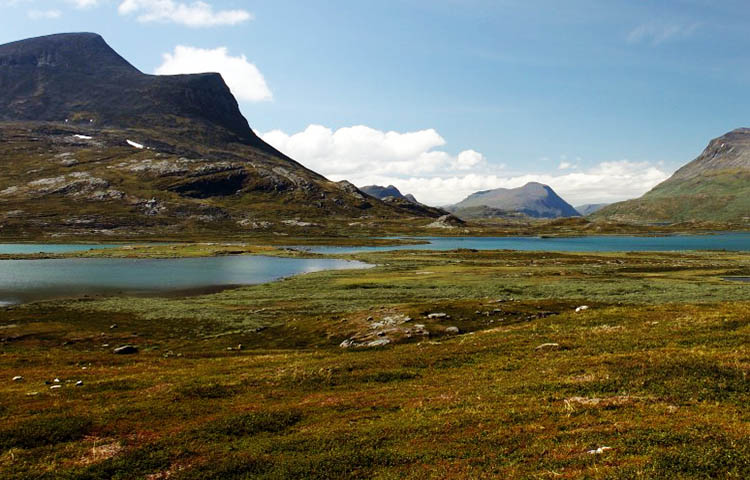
(486, 367)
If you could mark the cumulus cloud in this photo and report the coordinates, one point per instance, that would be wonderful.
(657, 33)
(606, 182)
(414, 163)
(350, 151)
(242, 77)
(195, 14)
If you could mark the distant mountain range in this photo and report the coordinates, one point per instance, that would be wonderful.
(381, 192)
(713, 187)
(533, 200)
(590, 208)
(90, 144)
(391, 195)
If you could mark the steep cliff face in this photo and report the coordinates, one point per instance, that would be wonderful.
(713, 187)
(89, 143)
(78, 78)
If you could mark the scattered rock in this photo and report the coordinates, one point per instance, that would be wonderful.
(378, 343)
(79, 383)
(599, 402)
(55, 387)
(298, 223)
(447, 221)
(452, 330)
(548, 346)
(438, 315)
(599, 450)
(607, 328)
(18, 378)
(582, 308)
(113, 326)
(125, 350)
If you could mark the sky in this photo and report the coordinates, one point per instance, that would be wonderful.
(600, 99)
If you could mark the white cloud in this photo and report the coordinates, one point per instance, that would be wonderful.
(605, 183)
(242, 77)
(195, 14)
(44, 14)
(412, 162)
(565, 165)
(656, 33)
(352, 150)
(84, 3)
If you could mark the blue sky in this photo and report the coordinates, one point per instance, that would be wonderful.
(600, 99)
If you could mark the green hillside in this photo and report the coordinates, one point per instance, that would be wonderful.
(713, 187)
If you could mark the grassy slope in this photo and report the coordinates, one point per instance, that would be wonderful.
(722, 196)
(273, 190)
(663, 349)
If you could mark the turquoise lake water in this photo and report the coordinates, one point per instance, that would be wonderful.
(728, 241)
(30, 248)
(30, 280)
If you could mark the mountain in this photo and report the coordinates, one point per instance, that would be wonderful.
(391, 195)
(533, 199)
(78, 79)
(380, 192)
(90, 145)
(713, 187)
(590, 208)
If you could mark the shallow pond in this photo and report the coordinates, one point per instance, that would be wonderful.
(29, 280)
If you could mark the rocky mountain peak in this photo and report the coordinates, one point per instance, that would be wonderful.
(728, 152)
(77, 78)
(76, 51)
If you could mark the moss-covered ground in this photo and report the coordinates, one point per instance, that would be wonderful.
(252, 383)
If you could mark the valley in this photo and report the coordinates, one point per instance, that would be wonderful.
(181, 300)
(490, 351)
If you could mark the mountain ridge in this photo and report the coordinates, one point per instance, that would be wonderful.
(533, 199)
(715, 186)
(79, 79)
(91, 144)
(393, 196)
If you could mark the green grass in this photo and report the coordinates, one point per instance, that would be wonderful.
(656, 369)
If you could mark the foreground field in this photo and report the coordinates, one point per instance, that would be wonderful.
(650, 381)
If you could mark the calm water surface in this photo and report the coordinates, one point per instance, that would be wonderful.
(739, 242)
(30, 248)
(29, 280)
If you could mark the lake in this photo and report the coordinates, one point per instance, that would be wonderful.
(31, 248)
(739, 242)
(30, 280)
